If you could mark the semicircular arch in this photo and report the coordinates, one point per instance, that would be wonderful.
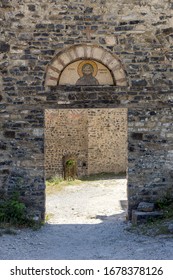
(85, 52)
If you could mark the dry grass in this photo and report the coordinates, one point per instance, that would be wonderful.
(56, 184)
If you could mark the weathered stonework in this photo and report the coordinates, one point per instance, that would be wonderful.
(107, 140)
(87, 52)
(34, 34)
(96, 137)
(65, 134)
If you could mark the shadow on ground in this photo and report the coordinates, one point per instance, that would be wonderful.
(103, 176)
(105, 240)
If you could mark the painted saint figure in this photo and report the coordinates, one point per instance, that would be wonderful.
(87, 78)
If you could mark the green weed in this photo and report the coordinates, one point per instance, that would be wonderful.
(13, 212)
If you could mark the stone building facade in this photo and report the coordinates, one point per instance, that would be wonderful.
(131, 40)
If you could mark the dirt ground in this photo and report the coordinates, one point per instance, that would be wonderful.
(90, 202)
(86, 221)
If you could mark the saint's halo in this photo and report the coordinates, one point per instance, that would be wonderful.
(92, 63)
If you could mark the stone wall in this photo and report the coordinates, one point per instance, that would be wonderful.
(96, 137)
(65, 135)
(107, 141)
(139, 34)
(150, 141)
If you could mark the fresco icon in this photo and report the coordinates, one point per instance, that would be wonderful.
(87, 71)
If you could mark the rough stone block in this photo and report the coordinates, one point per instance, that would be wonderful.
(119, 74)
(57, 64)
(38, 132)
(5, 3)
(98, 53)
(137, 136)
(171, 173)
(4, 47)
(88, 50)
(170, 228)
(139, 217)
(50, 82)
(72, 54)
(145, 207)
(53, 73)
(9, 134)
(3, 145)
(121, 83)
(114, 65)
(110, 40)
(31, 8)
(108, 58)
(139, 82)
(80, 52)
(64, 58)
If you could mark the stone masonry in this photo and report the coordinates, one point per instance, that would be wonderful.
(65, 135)
(96, 137)
(137, 36)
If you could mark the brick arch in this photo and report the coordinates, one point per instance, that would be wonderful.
(78, 52)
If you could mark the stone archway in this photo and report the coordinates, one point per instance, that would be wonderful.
(85, 52)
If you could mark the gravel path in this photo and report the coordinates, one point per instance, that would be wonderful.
(88, 222)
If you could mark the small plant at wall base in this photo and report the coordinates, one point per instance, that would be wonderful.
(166, 205)
(70, 169)
(13, 212)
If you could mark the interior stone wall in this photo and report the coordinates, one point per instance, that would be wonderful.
(65, 135)
(107, 140)
(96, 137)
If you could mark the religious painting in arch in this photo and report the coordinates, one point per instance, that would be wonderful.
(86, 73)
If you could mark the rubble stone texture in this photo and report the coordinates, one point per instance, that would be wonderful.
(145, 207)
(139, 34)
(97, 137)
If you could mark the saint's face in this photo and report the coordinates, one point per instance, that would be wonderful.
(87, 70)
